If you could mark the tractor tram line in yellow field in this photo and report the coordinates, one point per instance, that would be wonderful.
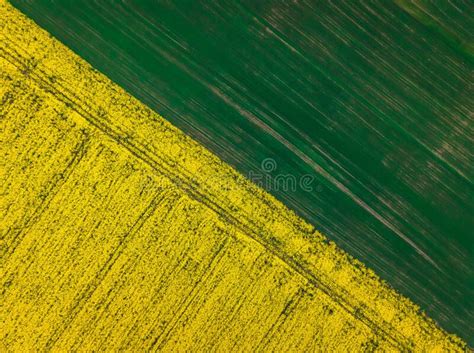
(140, 153)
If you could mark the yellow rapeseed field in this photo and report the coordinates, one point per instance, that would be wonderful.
(118, 232)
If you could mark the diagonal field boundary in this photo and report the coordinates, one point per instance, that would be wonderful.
(162, 180)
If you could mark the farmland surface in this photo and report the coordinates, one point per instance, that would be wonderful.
(118, 231)
(373, 99)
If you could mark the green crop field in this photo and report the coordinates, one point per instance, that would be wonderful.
(372, 101)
